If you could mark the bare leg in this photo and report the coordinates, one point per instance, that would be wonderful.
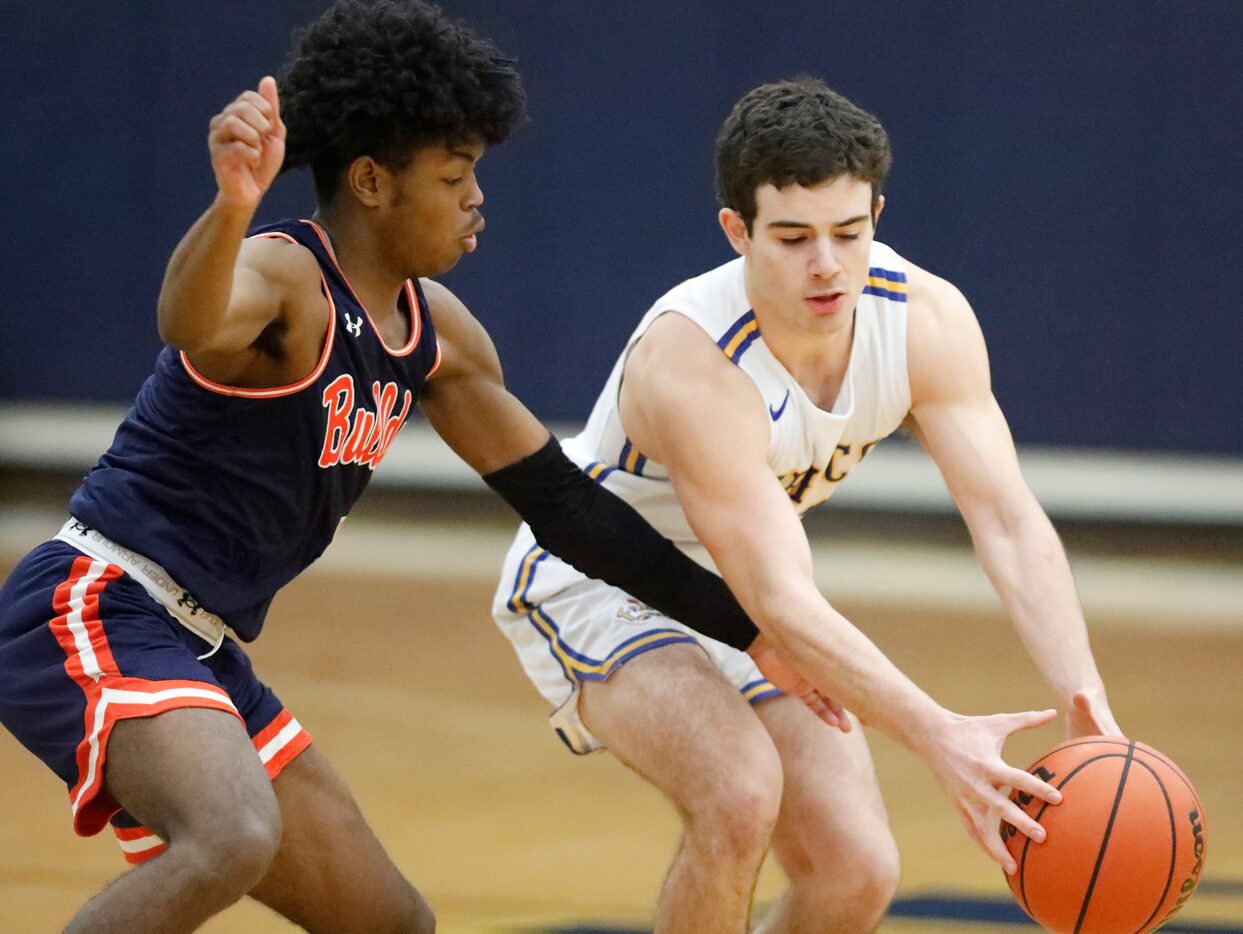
(331, 874)
(671, 717)
(832, 835)
(192, 776)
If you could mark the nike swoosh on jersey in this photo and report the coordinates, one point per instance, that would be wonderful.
(777, 412)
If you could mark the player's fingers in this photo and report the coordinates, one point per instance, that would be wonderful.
(1012, 814)
(843, 721)
(997, 853)
(257, 101)
(249, 114)
(991, 842)
(815, 703)
(1031, 784)
(233, 129)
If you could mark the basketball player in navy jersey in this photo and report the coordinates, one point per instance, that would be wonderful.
(744, 397)
(295, 355)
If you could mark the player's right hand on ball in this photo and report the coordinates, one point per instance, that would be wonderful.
(966, 758)
(247, 144)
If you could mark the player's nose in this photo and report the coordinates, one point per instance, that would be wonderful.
(824, 261)
(474, 197)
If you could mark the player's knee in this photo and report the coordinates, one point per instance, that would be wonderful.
(738, 813)
(856, 887)
(871, 886)
(232, 851)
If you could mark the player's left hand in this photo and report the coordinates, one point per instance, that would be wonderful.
(1089, 715)
(776, 669)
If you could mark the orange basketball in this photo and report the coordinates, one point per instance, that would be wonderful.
(1124, 849)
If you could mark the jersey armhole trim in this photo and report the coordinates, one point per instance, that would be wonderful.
(289, 389)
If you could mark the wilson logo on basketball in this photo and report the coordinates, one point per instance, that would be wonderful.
(358, 435)
(1193, 879)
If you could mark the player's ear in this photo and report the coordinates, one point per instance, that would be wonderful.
(735, 230)
(363, 177)
(880, 206)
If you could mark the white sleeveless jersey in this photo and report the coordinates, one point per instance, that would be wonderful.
(811, 450)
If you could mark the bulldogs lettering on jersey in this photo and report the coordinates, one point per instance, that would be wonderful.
(359, 436)
(235, 490)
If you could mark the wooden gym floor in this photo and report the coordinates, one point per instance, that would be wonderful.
(387, 654)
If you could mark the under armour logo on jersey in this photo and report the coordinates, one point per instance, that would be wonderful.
(354, 327)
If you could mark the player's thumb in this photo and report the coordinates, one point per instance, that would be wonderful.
(267, 90)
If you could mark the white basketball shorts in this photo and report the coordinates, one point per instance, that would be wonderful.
(567, 629)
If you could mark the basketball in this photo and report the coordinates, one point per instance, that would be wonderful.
(1123, 851)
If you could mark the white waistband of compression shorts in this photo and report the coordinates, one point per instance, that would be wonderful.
(179, 602)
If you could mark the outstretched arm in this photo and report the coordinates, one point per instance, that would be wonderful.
(680, 397)
(570, 514)
(957, 420)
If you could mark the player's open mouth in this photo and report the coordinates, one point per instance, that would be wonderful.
(826, 304)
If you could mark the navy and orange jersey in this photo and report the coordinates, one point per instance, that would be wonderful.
(235, 491)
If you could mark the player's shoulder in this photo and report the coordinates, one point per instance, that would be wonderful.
(280, 261)
(277, 252)
(450, 316)
(464, 343)
(934, 303)
(719, 287)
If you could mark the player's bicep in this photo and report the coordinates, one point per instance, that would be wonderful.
(271, 278)
(954, 415)
(705, 418)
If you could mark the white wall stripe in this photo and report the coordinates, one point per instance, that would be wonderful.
(279, 741)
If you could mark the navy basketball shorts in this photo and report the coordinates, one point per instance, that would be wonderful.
(83, 646)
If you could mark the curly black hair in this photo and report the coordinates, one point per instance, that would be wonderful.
(384, 78)
(796, 131)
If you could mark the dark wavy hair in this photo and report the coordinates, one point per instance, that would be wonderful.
(797, 131)
(383, 79)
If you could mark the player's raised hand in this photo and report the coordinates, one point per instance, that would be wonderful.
(247, 144)
(966, 758)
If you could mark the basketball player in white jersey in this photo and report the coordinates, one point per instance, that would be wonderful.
(743, 398)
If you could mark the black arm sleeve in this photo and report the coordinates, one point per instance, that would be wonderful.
(585, 525)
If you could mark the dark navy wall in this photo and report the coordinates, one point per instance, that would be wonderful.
(1074, 167)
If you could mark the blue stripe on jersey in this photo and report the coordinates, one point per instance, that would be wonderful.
(734, 328)
(885, 293)
(741, 335)
(630, 460)
(877, 272)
